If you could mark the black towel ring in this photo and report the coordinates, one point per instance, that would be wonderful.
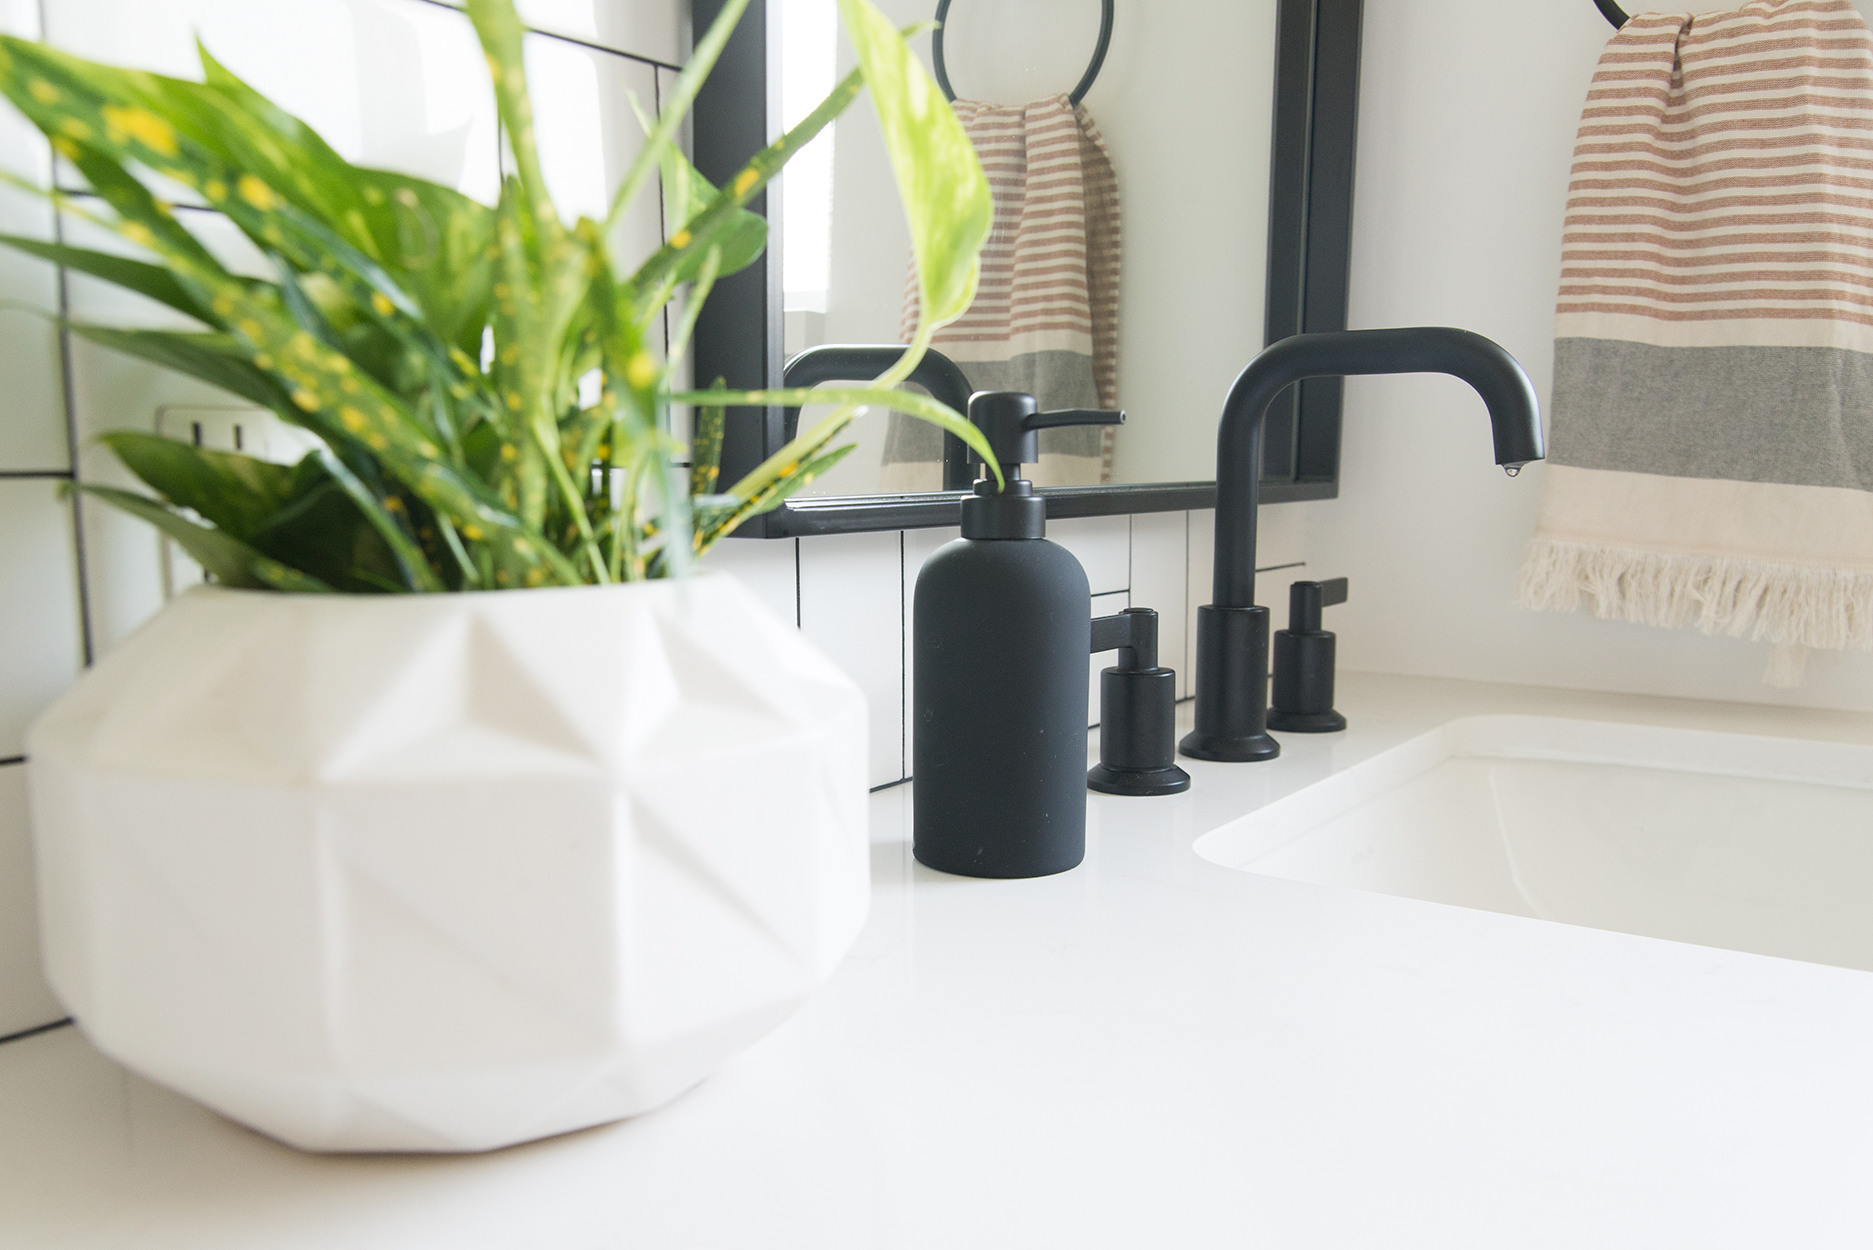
(1073, 97)
(1612, 12)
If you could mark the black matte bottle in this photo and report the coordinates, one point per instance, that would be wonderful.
(999, 673)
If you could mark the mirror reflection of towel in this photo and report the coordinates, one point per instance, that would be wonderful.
(1045, 316)
(1711, 434)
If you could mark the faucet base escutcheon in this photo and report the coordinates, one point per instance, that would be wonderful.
(1142, 783)
(1232, 724)
(1228, 748)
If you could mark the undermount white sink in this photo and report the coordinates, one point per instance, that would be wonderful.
(1727, 840)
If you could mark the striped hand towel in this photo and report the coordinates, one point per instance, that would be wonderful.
(1045, 316)
(1711, 433)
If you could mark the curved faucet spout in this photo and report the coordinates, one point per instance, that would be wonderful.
(852, 362)
(1493, 372)
(1232, 633)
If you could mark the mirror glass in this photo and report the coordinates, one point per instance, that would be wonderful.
(1183, 104)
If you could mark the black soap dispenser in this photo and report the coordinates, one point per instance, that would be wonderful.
(1003, 628)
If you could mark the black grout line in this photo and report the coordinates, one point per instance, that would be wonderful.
(798, 612)
(68, 376)
(12, 759)
(86, 193)
(663, 233)
(35, 1031)
(599, 47)
(889, 785)
(1276, 568)
(596, 47)
(903, 666)
(1184, 668)
(35, 474)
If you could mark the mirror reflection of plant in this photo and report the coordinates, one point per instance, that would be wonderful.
(491, 411)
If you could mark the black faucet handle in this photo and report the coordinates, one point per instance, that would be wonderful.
(1304, 660)
(1137, 710)
(1133, 633)
(1072, 416)
(1305, 599)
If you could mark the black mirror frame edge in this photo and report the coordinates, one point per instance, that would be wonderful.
(1316, 107)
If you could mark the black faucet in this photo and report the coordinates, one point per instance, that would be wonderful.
(1232, 633)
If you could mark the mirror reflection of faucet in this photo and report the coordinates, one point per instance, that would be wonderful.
(854, 362)
(1232, 633)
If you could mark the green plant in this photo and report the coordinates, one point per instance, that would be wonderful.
(436, 346)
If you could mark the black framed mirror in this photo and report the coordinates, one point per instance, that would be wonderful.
(1314, 78)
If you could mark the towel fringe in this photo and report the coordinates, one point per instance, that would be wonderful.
(1793, 607)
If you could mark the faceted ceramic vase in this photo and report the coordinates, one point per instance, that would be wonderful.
(448, 872)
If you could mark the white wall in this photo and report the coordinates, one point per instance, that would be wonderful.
(1468, 110)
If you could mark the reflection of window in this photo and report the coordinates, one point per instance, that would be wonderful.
(809, 33)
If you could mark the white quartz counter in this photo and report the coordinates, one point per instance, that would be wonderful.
(1150, 1050)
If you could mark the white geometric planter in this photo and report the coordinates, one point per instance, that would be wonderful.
(448, 872)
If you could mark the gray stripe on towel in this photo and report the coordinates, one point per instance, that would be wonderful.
(1800, 416)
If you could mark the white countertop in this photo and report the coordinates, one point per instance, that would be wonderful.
(1150, 1050)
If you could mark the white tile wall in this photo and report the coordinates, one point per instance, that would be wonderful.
(1103, 605)
(588, 135)
(40, 620)
(655, 29)
(32, 414)
(1280, 537)
(852, 608)
(397, 84)
(770, 569)
(44, 648)
(1103, 546)
(1161, 579)
(919, 546)
(1200, 537)
(24, 999)
(658, 30)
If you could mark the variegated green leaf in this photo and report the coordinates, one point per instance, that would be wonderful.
(152, 281)
(227, 559)
(234, 492)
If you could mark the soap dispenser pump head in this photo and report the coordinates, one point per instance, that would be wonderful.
(1002, 418)
(1011, 421)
